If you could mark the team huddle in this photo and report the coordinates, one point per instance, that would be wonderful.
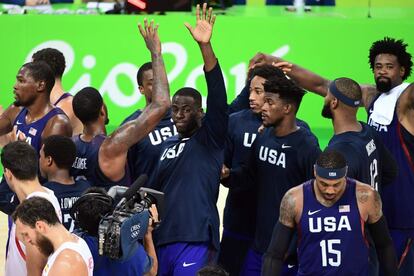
(291, 208)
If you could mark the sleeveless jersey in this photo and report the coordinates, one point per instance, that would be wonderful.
(34, 130)
(331, 239)
(79, 247)
(397, 197)
(63, 96)
(16, 253)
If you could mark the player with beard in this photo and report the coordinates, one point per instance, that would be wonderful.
(280, 158)
(38, 225)
(189, 167)
(20, 163)
(390, 106)
(331, 212)
(367, 158)
(37, 119)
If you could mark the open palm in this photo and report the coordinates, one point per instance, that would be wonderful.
(204, 27)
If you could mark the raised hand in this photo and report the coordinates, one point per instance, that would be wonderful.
(204, 26)
(150, 35)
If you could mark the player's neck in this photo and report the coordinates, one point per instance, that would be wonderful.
(286, 127)
(91, 130)
(38, 109)
(61, 176)
(57, 91)
(345, 122)
(58, 235)
(25, 188)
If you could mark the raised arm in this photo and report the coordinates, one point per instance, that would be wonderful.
(406, 109)
(369, 202)
(113, 151)
(202, 34)
(303, 77)
(282, 234)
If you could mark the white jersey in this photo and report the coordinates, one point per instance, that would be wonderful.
(16, 253)
(79, 247)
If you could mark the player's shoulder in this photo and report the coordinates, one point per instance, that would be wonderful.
(364, 192)
(68, 260)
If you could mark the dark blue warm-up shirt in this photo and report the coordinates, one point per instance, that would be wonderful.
(189, 174)
(275, 165)
(143, 156)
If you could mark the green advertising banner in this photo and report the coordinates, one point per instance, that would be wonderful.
(106, 51)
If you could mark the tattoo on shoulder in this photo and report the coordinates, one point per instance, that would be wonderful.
(362, 195)
(287, 210)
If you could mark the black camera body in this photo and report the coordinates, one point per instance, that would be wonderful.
(120, 231)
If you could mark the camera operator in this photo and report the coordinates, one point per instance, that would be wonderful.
(94, 204)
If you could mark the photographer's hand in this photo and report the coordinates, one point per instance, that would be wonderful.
(154, 219)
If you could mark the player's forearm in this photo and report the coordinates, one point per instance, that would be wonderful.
(209, 57)
(309, 80)
(384, 247)
(161, 91)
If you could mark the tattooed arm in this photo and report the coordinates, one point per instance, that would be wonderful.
(112, 156)
(283, 232)
(369, 202)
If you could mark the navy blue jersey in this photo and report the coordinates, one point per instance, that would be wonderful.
(189, 174)
(86, 160)
(398, 197)
(33, 133)
(362, 151)
(331, 239)
(34, 130)
(139, 264)
(67, 195)
(62, 97)
(143, 156)
(238, 216)
(275, 165)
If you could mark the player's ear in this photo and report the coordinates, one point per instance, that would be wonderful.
(402, 71)
(41, 85)
(334, 103)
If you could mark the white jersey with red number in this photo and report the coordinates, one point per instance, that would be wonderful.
(16, 253)
(80, 247)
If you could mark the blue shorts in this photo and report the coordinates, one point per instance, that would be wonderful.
(253, 265)
(182, 259)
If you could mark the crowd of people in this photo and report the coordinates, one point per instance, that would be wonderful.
(291, 209)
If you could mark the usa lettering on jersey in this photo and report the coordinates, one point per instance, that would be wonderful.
(248, 139)
(272, 156)
(158, 136)
(28, 139)
(329, 224)
(174, 152)
(375, 125)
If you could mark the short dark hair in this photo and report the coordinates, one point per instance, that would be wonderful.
(87, 104)
(266, 71)
(393, 47)
(41, 71)
(140, 74)
(54, 58)
(349, 88)
(62, 150)
(331, 159)
(189, 92)
(212, 270)
(89, 209)
(286, 89)
(21, 159)
(34, 209)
